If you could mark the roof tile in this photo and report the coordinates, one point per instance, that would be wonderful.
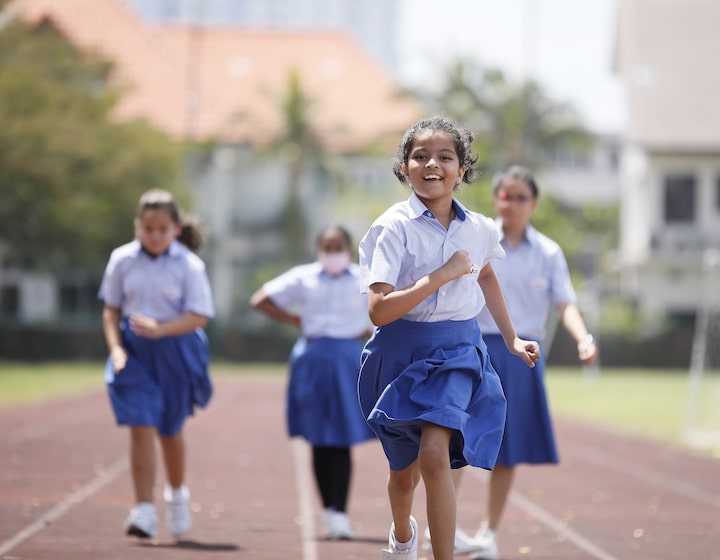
(227, 82)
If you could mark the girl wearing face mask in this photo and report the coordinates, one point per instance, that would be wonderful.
(323, 300)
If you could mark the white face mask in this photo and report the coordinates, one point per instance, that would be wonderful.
(334, 263)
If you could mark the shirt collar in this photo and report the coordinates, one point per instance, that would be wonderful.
(417, 209)
(174, 250)
(531, 234)
(320, 271)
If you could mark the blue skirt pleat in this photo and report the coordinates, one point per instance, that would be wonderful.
(322, 403)
(440, 373)
(163, 381)
(529, 436)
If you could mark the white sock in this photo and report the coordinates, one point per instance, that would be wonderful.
(179, 494)
(403, 546)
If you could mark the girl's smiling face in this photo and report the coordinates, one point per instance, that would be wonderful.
(156, 230)
(433, 168)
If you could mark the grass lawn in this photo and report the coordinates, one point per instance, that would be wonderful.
(648, 403)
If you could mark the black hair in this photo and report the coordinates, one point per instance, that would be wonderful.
(518, 173)
(157, 199)
(341, 229)
(463, 145)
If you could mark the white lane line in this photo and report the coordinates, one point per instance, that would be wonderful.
(304, 483)
(647, 476)
(552, 522)
(69, 502)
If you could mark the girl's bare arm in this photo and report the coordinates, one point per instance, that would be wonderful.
(385, 304)
(113, 339)
(527, 350)
(260, 301)
(151, 328)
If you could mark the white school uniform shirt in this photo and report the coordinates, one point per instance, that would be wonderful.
(533, 276)
(329, 306)
(162, 287)
(407, 242)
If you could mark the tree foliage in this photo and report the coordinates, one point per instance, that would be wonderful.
(514, 122)
(70, 176)
(302, 150)
(517, 123)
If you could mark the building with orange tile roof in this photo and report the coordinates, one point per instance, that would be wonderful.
(226, 83)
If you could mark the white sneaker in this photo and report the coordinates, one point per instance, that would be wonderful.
(177, 510)
(337, 526)
(142, 521)
(464, 543)
(392, 553)
(486, 545)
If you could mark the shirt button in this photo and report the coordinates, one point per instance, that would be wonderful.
(443, 292)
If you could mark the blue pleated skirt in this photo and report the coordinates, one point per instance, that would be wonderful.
(163, 381)
(322, 403)
(415, 372)
(529, 436)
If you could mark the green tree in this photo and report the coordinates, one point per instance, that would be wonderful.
(302, 149)
(70, 176)
(517, 123)
(513, 122)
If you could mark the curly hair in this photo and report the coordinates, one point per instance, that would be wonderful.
(463, 145)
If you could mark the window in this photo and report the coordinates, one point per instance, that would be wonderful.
(680, 194)
(78, 297)
(9, 301)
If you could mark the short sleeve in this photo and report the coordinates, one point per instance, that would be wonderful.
(490, 245)
(198, 297)
(561, 288)
(111, 291)
(381, 253)
(287, 290)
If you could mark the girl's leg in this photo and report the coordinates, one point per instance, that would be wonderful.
(332, 474)
(434, 463)
(142, 462)
(176, 494)
(339, 469)
(323, 474)
(174, 456)
(401, 490)
(501, 480)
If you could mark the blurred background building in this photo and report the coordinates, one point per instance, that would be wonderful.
(372, 23)
(670, 181)
(290, 112)
(232, 90)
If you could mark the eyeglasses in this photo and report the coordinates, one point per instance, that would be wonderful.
(519, 199)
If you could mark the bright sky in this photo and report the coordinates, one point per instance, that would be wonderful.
(565, 45)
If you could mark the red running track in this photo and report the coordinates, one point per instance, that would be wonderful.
(65, 491)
